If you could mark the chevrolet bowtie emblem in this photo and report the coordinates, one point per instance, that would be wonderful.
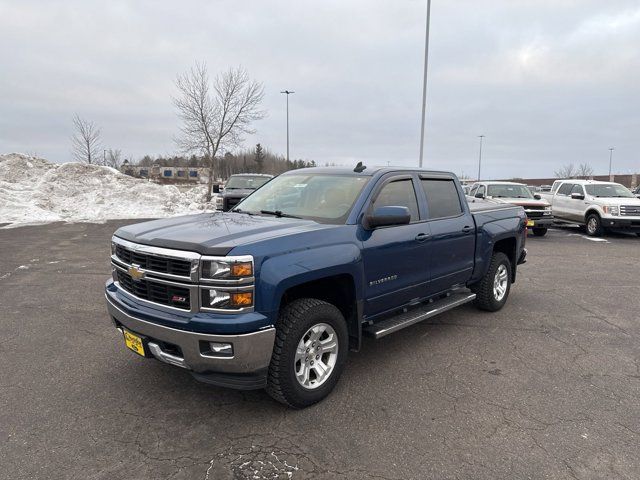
(136, 272)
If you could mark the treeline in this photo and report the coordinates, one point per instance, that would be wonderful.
(257, 160)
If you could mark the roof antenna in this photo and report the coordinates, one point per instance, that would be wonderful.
(359, 168)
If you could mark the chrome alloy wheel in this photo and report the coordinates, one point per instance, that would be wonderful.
(500, 283)
(316, 355)
(592, 225)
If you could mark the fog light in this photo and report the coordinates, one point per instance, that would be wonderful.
(221, 349)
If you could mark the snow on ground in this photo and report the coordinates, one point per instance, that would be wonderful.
(33, 190)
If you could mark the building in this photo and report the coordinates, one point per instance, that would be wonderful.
(167, 174)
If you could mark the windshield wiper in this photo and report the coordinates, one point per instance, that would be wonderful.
(239, 210)
(278, 213)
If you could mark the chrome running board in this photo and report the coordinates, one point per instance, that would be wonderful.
(418, 314)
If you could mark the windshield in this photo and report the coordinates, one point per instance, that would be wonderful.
(509, 191)
(608, 190)
(322, 197)
(246, 182)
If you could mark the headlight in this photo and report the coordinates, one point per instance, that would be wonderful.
(613, 210)
(227, 268)
(548, 208)
(219, 200)
(232, 300)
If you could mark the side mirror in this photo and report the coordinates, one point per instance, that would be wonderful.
(577, 196)
(537, 196)
(479, 195)
(216, 188)
(386, 216)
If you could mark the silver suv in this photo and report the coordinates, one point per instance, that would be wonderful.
(597, 206)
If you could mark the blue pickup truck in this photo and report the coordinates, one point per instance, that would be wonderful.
(274, 293)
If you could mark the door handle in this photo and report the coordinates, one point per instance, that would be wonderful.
(421, 237)
(466, 229)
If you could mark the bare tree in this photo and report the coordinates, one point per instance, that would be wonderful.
(216, 115)
(567, 171)
(113, 158)
(85, 141)
(584, 170)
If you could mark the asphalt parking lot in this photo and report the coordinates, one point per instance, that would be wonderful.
(549, 387)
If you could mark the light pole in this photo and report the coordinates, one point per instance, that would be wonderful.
(480, 156)
(424, 81)
(287, 92)
(611, 149)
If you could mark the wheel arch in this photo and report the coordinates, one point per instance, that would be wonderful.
(590, 211)
(338, 290)
(509, 247)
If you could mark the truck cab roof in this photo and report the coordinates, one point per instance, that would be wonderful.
(369, 171)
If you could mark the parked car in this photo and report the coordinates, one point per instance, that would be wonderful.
(538, 211)
(596, 206)
(636, 191)
(275, 292)
(238, 187)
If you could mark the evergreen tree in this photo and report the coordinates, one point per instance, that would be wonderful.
(258, 157)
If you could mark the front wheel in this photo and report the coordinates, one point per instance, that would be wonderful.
(594, 225)
(309, 352)
(540, 232)
(493, 289)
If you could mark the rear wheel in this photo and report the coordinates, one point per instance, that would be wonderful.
(540, 232)
(309, 352)
(594, 225)
(493, 289)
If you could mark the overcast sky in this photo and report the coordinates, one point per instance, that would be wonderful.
(548, 82)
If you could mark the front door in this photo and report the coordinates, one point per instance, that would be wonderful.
(395, 257)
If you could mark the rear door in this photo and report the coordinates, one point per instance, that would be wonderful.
(452, 242)
(396, 258)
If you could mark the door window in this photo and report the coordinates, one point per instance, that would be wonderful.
(442, 198)
(565, 188)
(577, 189)
(399, 193)
(472, 192)
(481, 190)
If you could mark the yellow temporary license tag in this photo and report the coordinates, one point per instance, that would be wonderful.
(530, 223)
(134, 343)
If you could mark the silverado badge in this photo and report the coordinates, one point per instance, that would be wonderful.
(136, 272)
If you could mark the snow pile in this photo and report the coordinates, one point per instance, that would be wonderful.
(33, 190)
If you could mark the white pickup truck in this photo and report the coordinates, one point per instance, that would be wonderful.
(597, 206)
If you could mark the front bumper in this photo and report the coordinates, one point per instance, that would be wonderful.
(245, 368)
(618, 223)
(541, 222)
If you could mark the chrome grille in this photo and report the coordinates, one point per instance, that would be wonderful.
(630, 210)
(163, 294)
(154, 263)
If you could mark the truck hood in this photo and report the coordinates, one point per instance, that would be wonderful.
(237, 192)
(522, 202)
(214, 233)
(614, 200)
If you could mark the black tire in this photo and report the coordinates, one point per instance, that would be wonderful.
(638, 234)
(484, 289)
(540, 232)
(294, 321)
(594, 229)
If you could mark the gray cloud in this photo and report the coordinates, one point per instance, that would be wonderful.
(547, 82)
